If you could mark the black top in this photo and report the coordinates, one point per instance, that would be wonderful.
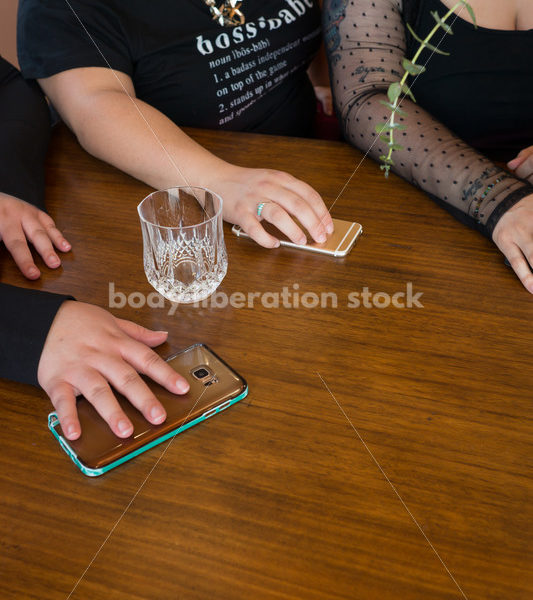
(198, 73)
(366, 43)
(483, 90)
(25, 315)
(24, 135)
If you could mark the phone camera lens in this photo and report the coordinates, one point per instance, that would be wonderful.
(201, 373)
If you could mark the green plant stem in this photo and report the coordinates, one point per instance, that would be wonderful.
(406, 75)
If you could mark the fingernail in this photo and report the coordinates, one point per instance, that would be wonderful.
(302, 241)
(124, 427)
(512, 164)
(161, 331)
(53, 261)
(71, 431)
(329, 228)
(33, 272)
(321, 238)
(182, 386)
(530, 287)
(66, 246)
(157, 415)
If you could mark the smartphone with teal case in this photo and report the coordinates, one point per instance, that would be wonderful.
(214, 386)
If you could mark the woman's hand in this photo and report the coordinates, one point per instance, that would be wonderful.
(522, 165)
(284, 198)
(101, 108)
(86, 350)
(513, 235)
(21, 223)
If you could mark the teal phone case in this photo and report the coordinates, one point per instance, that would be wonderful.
(53, 422)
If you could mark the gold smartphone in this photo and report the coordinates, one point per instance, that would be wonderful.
(214, 386)
(339, 243)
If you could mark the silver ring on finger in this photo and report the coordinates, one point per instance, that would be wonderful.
(260, 207)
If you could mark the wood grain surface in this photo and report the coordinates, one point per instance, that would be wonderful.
(278, 497)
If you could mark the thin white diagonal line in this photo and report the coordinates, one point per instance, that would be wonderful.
(393, 487)
(399, 105)
(171, 160)
(133, 497)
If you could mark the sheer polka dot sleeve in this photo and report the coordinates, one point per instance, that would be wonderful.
(366, 42)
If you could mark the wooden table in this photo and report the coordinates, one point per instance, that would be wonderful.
(278, 497)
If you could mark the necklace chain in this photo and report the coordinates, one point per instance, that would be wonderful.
(228, 14)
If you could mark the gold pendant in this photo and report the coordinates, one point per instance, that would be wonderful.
(232, 15)
(229, 13)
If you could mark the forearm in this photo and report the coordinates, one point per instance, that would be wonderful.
(141, 141)
(437, 161)
(99, 105)
(364, 61)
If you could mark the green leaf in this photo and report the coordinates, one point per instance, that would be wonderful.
(385, 138)
(386, 160)
(435, 49)
(394, 91)
(440, 22)
(471, 12)
(412, 32)
(392, 108)
(425, 43)
(407, 91)
(384, 127)
(385, 168)
(412, 68)
(394, 147)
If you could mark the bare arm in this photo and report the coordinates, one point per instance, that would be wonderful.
(99, 105)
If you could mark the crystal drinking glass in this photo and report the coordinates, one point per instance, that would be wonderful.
(185, 256)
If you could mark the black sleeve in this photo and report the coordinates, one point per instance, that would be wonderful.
(25, 315)
(25, 319)
(24, 135)
(55, 36)
(366, 42)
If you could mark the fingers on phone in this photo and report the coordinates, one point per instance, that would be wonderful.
(128, 382)
(64, 401)
(97, 391)
(254, 229)
(302, 201)
(151, 364)
(279, 217)
(313, 199)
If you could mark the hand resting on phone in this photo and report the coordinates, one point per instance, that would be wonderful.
(86, 350)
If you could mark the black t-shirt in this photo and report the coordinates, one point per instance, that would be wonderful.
(182, 62)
